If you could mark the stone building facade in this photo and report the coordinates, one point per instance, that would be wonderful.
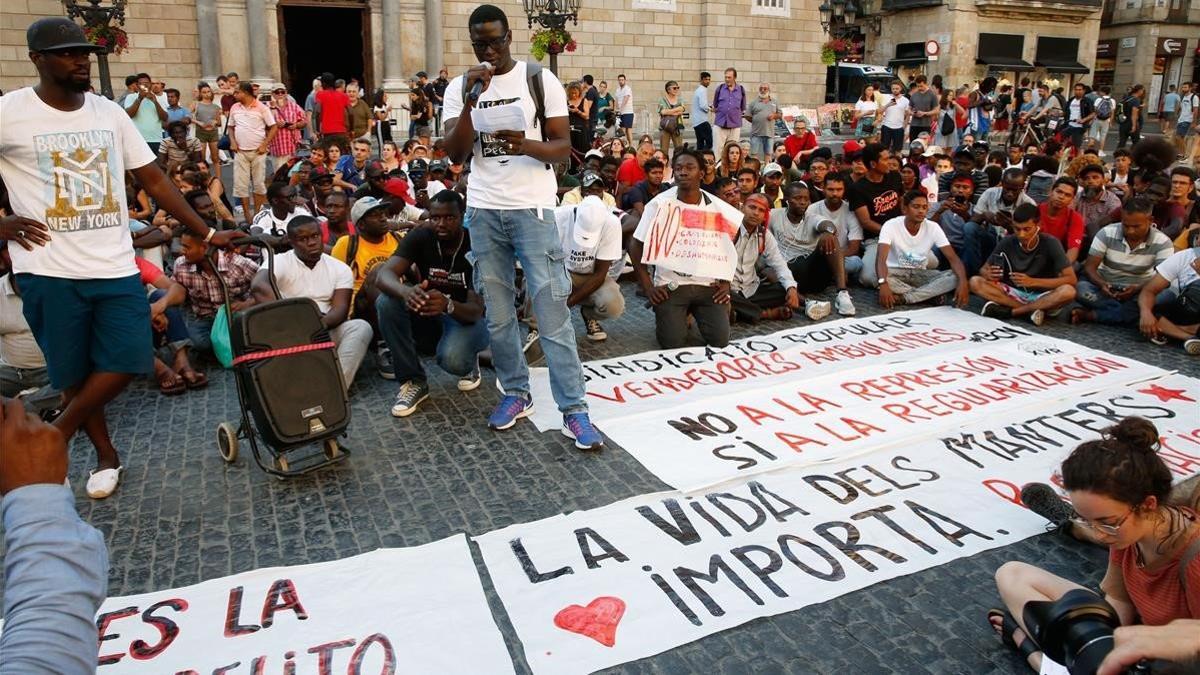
(1149, 42)
(1005, 38)
(384, 42)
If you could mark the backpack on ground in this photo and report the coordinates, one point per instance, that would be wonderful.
(1104, 108)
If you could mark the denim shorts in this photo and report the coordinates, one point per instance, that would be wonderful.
(88, 325)
(627, 121)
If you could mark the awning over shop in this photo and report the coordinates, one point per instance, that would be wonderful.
(1059, 55)
(1002, 51)
(909, 54)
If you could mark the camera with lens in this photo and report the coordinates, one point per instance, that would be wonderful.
(1077, 631)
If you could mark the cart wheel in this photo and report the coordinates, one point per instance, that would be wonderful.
(332, 451)
(281, 463)
(227, 441)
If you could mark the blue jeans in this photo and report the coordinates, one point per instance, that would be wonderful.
(176, 335)
(499, 238)
(979, 240)
(1108, 310)
(200, 332)
(456, 344)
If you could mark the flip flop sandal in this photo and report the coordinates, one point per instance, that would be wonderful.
(199, 380)
(167, 389)
(1009, 626)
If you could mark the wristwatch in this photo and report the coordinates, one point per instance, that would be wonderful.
(881, 282)
(449, 306)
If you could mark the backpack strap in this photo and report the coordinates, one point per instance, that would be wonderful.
(352, 253)
(533, 76)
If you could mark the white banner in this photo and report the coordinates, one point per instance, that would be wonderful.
(597, 588)
(692, 240)
(417, 610)
(654, 380)
(716, 438)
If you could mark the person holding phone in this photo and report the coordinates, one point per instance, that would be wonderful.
(1027, 275)
(1122, 259)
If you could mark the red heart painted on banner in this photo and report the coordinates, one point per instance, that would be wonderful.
(598, 620)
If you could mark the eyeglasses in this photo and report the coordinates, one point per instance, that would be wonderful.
(1102, 528)
(494, 43)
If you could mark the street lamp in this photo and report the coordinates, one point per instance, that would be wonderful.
(94, 16)
(553, 15)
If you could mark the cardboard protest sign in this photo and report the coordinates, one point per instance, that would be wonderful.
(593, 589)
(715, 438)
(693, 240)
(419, 609)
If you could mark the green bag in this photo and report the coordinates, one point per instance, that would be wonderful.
(221, 346)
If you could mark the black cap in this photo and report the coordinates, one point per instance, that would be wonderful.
(54, 33)
(418, 165)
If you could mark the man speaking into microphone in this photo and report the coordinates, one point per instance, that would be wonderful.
(510, 214)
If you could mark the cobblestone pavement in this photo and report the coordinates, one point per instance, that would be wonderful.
(182, 515)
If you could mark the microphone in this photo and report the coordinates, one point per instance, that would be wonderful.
(477, 89)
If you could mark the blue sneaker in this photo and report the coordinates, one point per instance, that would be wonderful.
(510, 409)
(578, 426)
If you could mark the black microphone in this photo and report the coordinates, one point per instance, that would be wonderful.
(477, 89)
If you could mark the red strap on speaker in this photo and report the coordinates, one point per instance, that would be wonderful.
(286, 351)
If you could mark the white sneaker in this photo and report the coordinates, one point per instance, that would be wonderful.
(103, 483)
(471, 380)
(595, 332)
(1037, 317)
(843, 304)
(1192, 346)
(817, 309)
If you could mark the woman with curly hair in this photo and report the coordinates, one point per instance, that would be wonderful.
(1118, 488)
(732, 156)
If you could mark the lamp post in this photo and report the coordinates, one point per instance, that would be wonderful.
(553, 15)
(95, 16)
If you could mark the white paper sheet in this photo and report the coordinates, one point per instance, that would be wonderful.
(508, 117)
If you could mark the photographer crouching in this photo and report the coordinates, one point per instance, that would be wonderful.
(1118, 487)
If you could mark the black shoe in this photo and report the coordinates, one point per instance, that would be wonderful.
(1044, 501)
(995, 310)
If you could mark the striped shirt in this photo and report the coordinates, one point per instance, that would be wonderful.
(1121, 266)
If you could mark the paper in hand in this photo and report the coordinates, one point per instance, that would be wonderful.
(507, 117)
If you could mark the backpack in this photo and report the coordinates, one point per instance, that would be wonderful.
(947, 126)
(1104, 108)
(1123, 111)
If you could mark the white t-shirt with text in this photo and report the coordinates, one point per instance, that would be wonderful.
(909, 251)
(500, 180)
(589, 232)
(67, 170)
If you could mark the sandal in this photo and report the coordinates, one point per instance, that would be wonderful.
(198, 380)
(171, 384)
(1008, 627)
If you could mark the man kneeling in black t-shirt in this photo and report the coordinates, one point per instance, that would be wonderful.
(1028, 274)
(437, 309)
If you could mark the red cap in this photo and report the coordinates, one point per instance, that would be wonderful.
(851, 147)
(398, 187)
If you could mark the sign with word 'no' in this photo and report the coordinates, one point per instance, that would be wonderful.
(597, 588)
(691, 239)
(418, 610)
(700, 416)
